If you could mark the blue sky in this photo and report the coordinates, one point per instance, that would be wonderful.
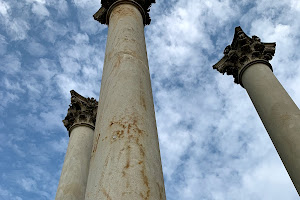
(213, 144)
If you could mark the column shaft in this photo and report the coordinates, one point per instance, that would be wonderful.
(72, 184)
(279, 114)
(247, 59)
(125, 162)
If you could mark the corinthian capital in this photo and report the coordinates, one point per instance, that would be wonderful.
(102, 15)
(82, 111)
(243, 52)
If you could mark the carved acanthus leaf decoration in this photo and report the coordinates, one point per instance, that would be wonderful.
(242, 51)
(81, 110)
(101, 14)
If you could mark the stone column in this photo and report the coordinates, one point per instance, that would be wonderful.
(125, 162)
(247, 60)
(80, 122)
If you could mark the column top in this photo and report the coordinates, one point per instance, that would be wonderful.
(102, 15)
(243, 52)
(82, 112)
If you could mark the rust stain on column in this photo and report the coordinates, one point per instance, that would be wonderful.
(126, 162)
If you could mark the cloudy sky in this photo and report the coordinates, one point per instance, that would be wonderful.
(212, 141)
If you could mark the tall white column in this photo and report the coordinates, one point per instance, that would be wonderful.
(125, 162)
(279, 113)
(247, 60)
(80, 122)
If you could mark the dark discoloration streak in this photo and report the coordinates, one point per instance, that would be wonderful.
(120, 153)
(106, 162)
(143, 102)
(103, 171)
(127, 125)
(119, 123)
(104, 138)
(146, 182)
(133, 134)
(136, 128)
(96, 144)
(128, 153)
(105, 193)
(122, 11)
(132, 54)
(161, 191)
(127, 164)
(120, 55)
(142, 95)
(142, 151)
(119, 133)
(145, 179)
(73, 189)
(102, 189)
(117, 64)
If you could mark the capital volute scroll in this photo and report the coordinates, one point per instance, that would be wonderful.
(242, 53)
(82, 112)
(102, 15)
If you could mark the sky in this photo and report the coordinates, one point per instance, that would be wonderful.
(213, 144)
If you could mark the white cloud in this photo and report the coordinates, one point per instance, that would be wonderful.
(6, 98)
(225, 136)
(61, 6)
(13, 86)
(36, 1)
(46, 69)
(60, 146)
(3, 45)
(11, 64)
(36, 49)
(17, 28)
(295, 5)
(40, 9)
(82, 60)
(212, 141)
(81, 38)
(86, 10)
(184, 35)
(7, 195)
(28, 184)
(53, 30)
(4, 8)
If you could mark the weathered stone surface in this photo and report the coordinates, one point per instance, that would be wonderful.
(81, 111)
(74, 174)
(125, 161)
(243, 51)
(279, 114)
(247, 60)
(80, 122)
(102, 15)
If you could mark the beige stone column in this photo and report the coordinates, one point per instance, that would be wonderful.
(80, 122)
(125, 162)
(247, 60)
